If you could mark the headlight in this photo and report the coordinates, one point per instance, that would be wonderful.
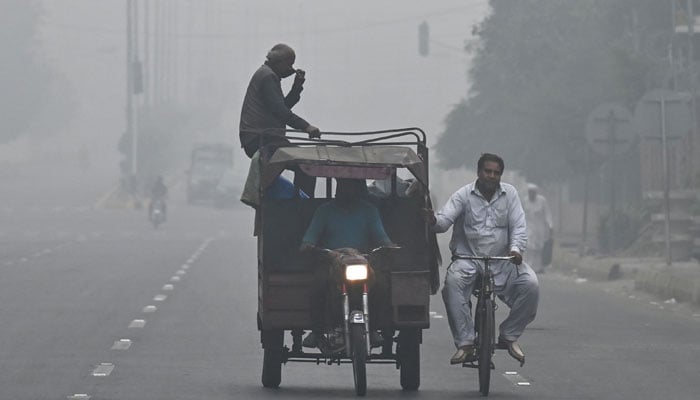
(356, 272)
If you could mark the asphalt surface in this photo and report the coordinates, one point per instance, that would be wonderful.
(86, 312)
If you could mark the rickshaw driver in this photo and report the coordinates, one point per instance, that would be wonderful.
(488, 219)
(347, 222)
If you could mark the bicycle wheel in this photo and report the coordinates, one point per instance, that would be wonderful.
(359, 358)
(485, 344)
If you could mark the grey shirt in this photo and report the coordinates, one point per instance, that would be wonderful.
(266, 109)
(483, 227)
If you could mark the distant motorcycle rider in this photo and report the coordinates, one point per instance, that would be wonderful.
(158, 194)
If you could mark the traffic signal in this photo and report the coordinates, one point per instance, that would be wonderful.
(423, 39)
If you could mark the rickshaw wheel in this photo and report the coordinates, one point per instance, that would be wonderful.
(359, 358)
(273, 342)
(408, 352)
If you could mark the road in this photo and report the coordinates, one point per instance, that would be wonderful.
(95, 303)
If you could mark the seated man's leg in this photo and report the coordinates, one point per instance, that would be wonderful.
(459, 284)
(521, 293)
(304, 182)
(380, 308)
(317, 305)
(379, 298)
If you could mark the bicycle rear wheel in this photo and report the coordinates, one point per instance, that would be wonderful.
(485, 344)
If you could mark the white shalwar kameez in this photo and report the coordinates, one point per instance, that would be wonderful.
(494, 228)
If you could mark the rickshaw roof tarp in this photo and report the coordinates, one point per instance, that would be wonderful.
(370, 157)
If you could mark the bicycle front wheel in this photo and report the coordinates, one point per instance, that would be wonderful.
(485, 344)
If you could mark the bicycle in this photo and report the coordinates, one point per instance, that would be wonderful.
(484, 321)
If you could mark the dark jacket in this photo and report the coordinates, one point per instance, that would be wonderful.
(266, 109)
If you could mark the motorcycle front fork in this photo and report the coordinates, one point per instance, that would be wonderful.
(347, 322)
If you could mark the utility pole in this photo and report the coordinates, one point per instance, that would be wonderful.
(129, 86)
(612, 121)
(664, 100)
(146, 53)
(586, 185)
(693, 85)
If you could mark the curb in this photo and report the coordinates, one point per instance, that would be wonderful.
(680, 281)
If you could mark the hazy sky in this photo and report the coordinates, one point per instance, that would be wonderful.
(361, 58)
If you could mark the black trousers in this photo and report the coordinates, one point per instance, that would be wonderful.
(303, 181)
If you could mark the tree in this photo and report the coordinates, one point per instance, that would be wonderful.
(32, 98)
(540, 68)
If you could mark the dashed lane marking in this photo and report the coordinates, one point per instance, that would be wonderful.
(137, 323)
(168, 287)
(175, 279)
(121, 344)
(149, 309)
(160, 297)
(104, 369)
(516, 378)
(79, 396)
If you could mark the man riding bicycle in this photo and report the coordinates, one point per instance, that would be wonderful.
(488, 219)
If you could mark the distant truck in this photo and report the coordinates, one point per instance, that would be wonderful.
(208, 162)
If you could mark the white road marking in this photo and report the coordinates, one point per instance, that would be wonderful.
(181, 272)
(104, 369)
(168, 287)
(79, 396)
(185, 266)
(149, 309)
(175, 279)
(137, 323)
(516, 378)
(121, 344)
(160, 297)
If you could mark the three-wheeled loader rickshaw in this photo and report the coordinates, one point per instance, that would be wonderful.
(285, 279)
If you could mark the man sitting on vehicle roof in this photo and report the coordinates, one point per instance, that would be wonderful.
(267, 111)
(347, 223)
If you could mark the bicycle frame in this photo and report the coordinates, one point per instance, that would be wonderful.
(485, 311)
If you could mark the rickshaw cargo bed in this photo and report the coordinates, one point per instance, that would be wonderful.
(410, 299)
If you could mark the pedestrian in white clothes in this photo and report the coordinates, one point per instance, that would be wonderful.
(488, 220)
(539, 227)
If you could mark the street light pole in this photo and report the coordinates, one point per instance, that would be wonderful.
(129, 86)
